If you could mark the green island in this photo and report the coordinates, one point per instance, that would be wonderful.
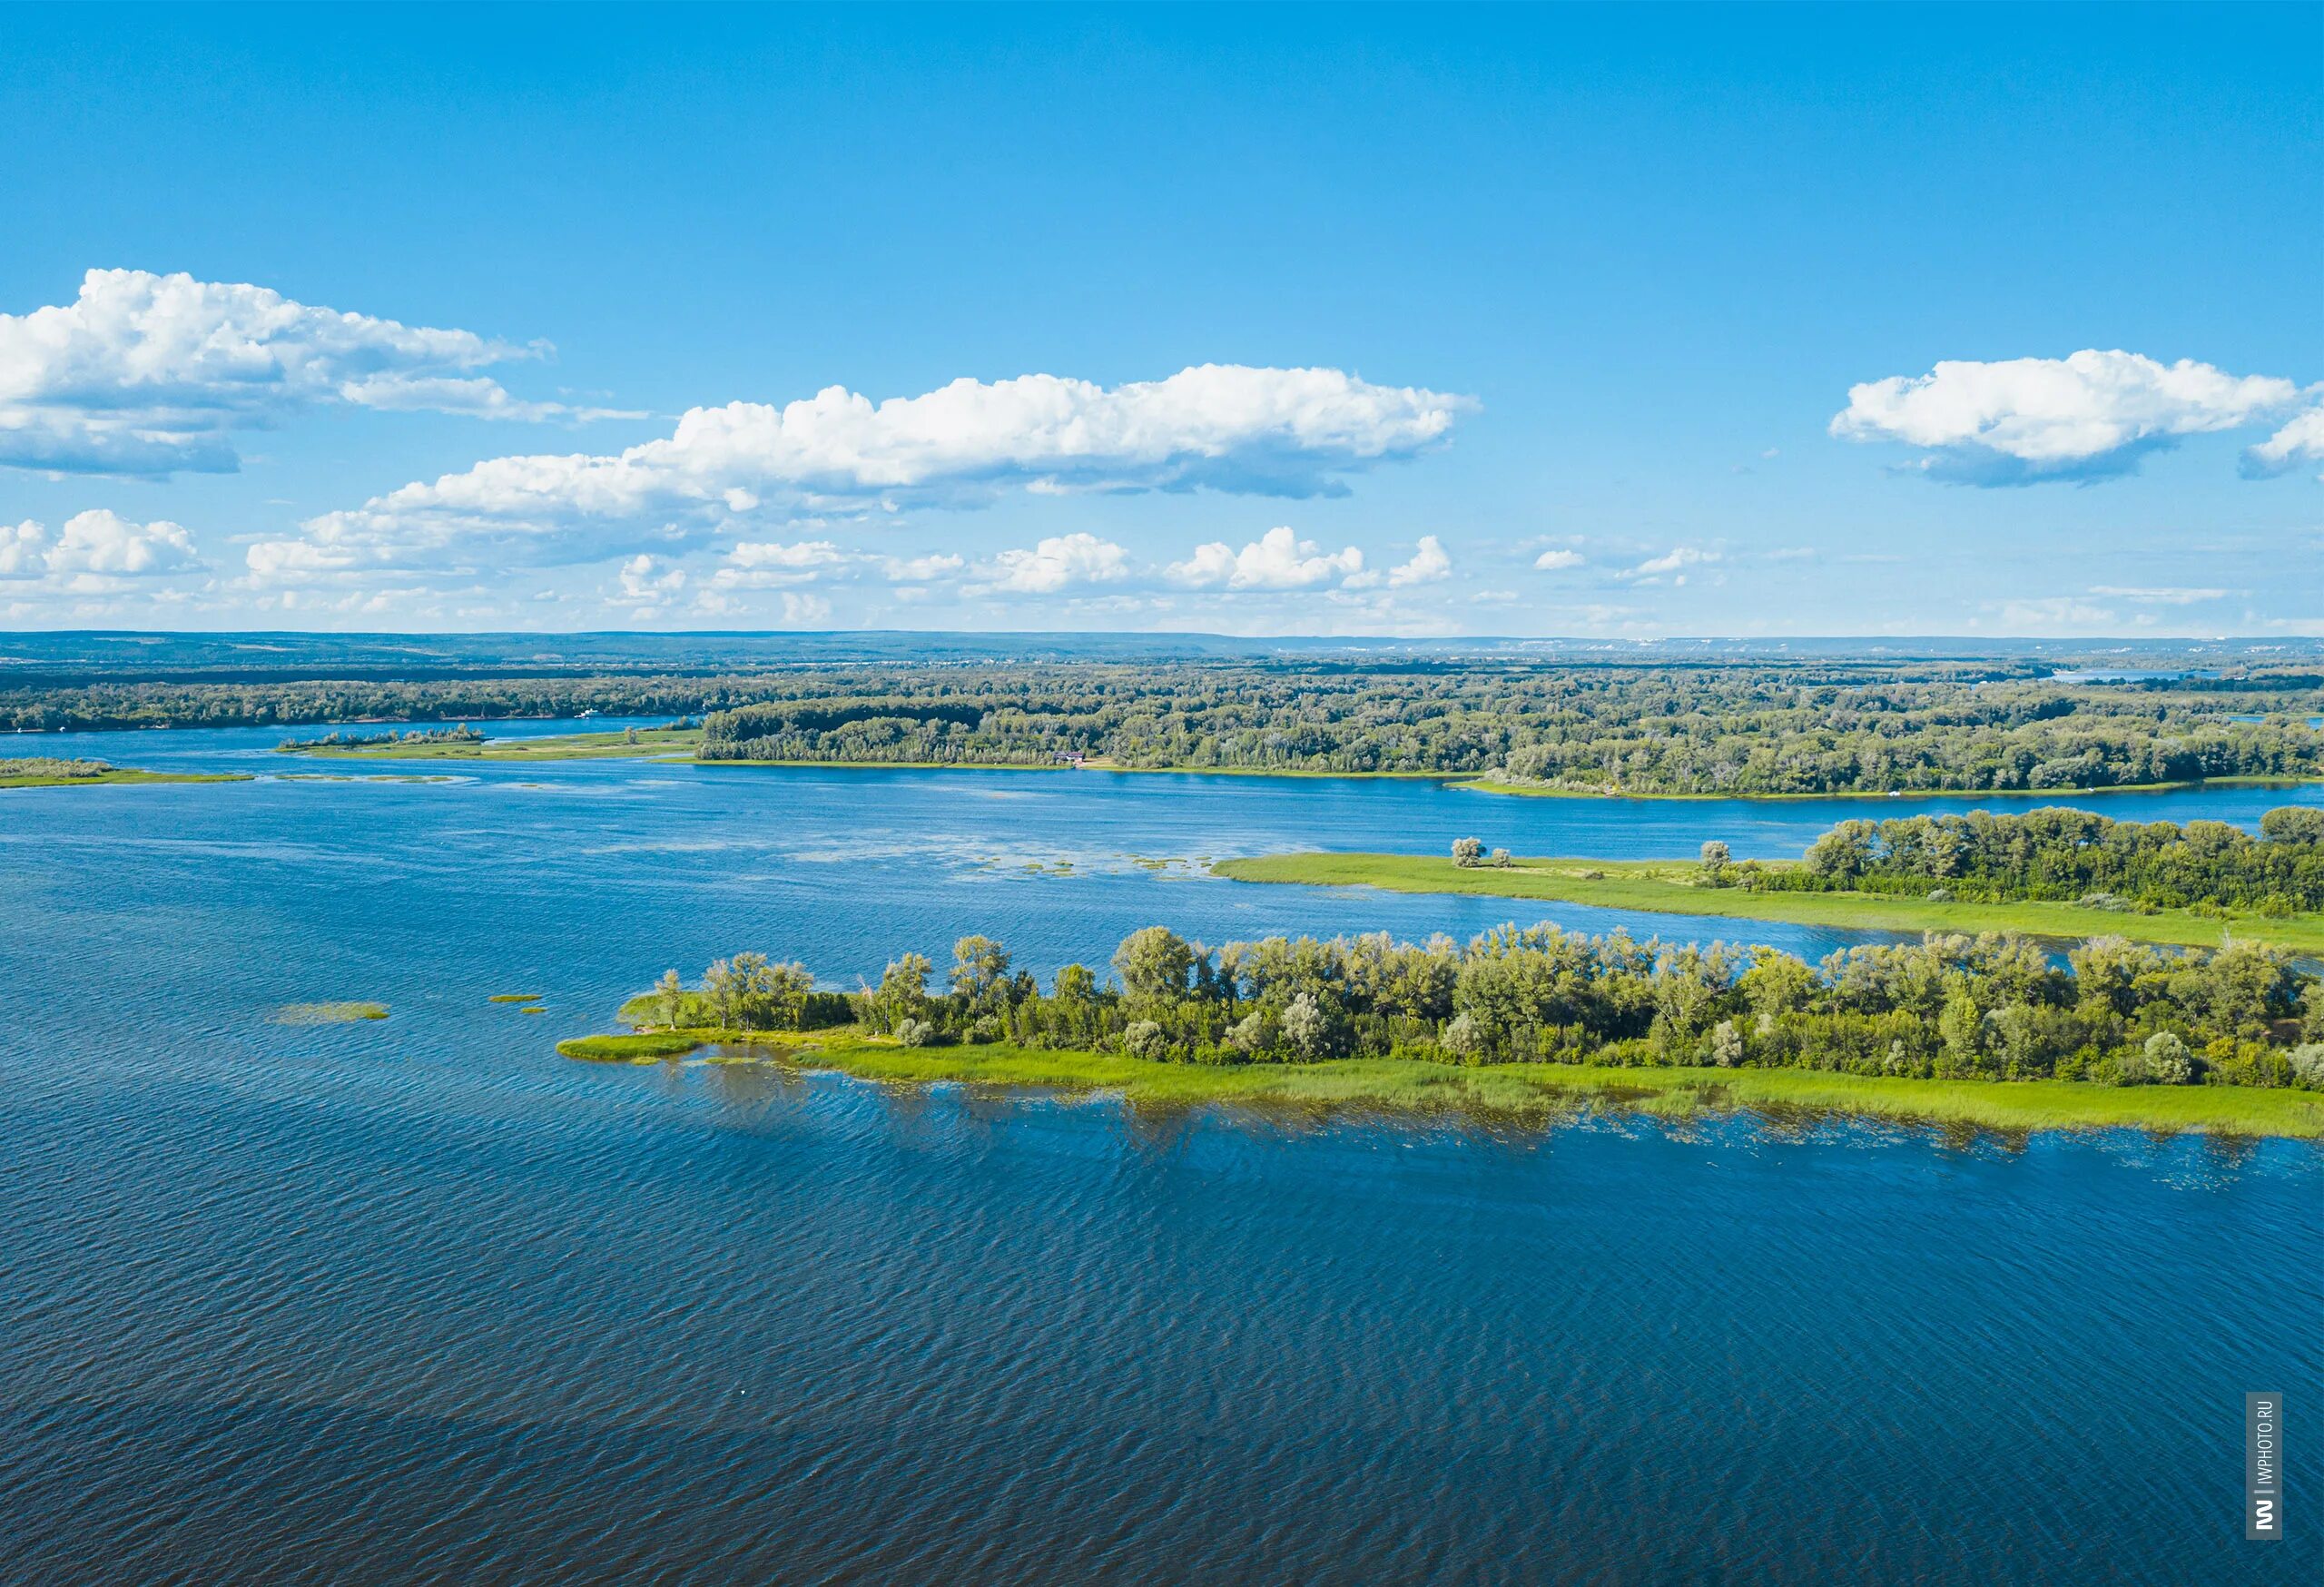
(1487, 784)
(47, 772)
(2051, 872)
(1728, 727)
(465, 744)
(1672, 887)
(1984, 1031)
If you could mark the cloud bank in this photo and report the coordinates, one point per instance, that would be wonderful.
(97, 552)
(150, 375)
(2089, 416)
(1219, 427)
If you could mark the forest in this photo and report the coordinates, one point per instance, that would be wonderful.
(1953, 1007)
(1734, 728)
(2070, 855)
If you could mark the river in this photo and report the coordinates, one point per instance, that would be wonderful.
(416, 1300)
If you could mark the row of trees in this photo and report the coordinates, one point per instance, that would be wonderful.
(459, 733)
(2067, 854)
(1986, 1007)
(1736, 729)
(1756, 727)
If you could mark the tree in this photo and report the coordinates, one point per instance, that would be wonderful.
(2168, 1061)
(1307, 1027)
(1778, 984)
(2308, 1064)
(1467, 851)
(902, 995)
(1716, 858)
(670, 997)
(1725, 1044)
(979, 967)
(1144, 1038)
(1154, 964)
(1500, 859)
(723, 992)
(2293, 823)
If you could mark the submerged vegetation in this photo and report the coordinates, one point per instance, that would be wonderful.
(1979, 1017)
(1756, 727)
(347, 1013)
(1525, 1092)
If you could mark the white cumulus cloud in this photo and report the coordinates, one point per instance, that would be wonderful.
(2298, 442)
(148, 374)
(1557, 561)
(2085, 416)
(1222, 426)
(649, 581)
(96, 551)
(1430, 564)
(1278, 559)
(1677, 559)
(1060, 562)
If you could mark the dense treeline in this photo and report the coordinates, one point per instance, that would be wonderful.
(2064, 855)
(1736, 730)
(1951, 1007)
(1808, 727)
(98, 707)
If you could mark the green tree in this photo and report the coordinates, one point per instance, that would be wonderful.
(1154, 964)
(980, 970)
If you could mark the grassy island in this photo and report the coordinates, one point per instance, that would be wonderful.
(1674, 887)
(2050, 872)
(629, 744)
(1489, 783)
(47, 771)
(1985, 1031)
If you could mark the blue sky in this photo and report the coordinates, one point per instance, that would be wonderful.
(1636, 321)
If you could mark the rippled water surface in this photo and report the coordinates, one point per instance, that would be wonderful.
(417, 1301)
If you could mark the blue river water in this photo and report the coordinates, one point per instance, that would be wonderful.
(417, 1300)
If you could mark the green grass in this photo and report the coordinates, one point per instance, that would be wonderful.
(329, 1013)
(900, 765)
(563, 746)
(645, 1047)
(513, 998)
(117, 775)
(1542, 791)
(1662, 887)
(1409, 1086)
